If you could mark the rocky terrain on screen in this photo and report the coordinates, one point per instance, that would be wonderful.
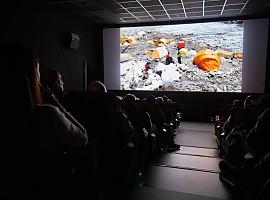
(139, 43)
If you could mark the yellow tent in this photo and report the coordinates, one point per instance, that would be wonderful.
(159, 53)
(225, 54)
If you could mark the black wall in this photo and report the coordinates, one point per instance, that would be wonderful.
(267, 74)
(43, 30)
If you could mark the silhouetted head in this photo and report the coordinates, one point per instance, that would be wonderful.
(151, 100)
(237, 103)
(264, 101)
(165, 98)
(53, 79)
(96, 86)
(129, 98)
(159, 100)
(250, 100)
(128, 102)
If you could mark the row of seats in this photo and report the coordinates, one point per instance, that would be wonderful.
(243, 142)
(112, 162)
(70, 163)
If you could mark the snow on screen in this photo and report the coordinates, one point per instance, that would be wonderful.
(183, 57)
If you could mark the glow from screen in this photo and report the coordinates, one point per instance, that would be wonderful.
(184, 57)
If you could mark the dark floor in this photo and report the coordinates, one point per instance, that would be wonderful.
(190, 173)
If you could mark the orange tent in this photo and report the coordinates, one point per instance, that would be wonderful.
(207, 60)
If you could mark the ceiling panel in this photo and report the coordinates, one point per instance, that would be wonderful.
(230, 12)
(179, 15)
(150, 2)
(158, 12)
(172, 12)
(193, 5)
(124, 15)
(170, 1)
(235, 6)
(114, 11)
(199, 14)
(123, 1)
(173, 6)
(210, 8)
(129, 18)
(236, 1)
(192, 1)
(130, 4)
(136, 9)
(146, 18)
(152, 8)
(161, 17)
(213, 12)
(141, 14)
(129, 21)
(215, 3)
(197, 9)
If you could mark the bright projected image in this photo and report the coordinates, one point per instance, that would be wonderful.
(184, 57)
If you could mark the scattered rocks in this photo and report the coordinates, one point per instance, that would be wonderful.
(185, 76)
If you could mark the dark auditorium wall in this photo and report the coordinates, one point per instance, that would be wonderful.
(267, 74)
(44, 30)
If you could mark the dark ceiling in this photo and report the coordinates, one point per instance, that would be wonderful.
(123, 12)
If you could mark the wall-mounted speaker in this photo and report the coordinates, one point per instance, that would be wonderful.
(71, 40)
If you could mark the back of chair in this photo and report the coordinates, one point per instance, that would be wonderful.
(246, 116)
(264, 193)
(18, 142)
(97, 112)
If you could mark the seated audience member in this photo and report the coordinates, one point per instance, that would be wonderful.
(156, 118)
(52, 80)
(250, 100)
(126, 129)
(253, 174)
(241, 120)
(159, 121)
(250, 123)
(57, 129)
(96, 86)
(258, 139)
(169, 112)
(220, 118)
(252, 112)
(137, 116)
(52, 88)
(125, 167)
(250, 178)
(128, 143)
(228, 124)
(139, 119)
(52, 91)
(264, 102)
(169, 135)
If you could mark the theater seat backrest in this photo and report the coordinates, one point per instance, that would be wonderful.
(18, 142)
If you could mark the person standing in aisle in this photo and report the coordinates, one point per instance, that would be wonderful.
(178, 55)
